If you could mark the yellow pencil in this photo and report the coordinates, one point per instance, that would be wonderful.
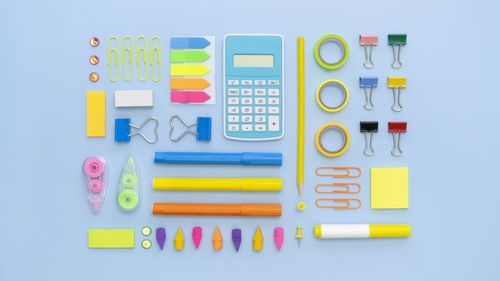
(300, 114)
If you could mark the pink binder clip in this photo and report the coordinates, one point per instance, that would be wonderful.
(368, 41)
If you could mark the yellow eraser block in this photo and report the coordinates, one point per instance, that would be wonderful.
(396, 82)
(96, 114)
(389, 188)
(111, 238)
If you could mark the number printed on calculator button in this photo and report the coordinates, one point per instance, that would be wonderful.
(233, 92)
(274, 123)
(233, 127)
(233, 109)
(246, 92)
(260, 118)
(260, 92)
(247, 118)
(246, 109)
(260, 101)
(247, 128)
(246, 101)
(274, 92)
(233, 118)
(274, 110)
(234, 101)
(260, 109)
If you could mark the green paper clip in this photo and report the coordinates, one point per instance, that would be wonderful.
(127, 55)
(188, 56)
(140, 51)
(396, 40)
(155, 51)
(113, 58)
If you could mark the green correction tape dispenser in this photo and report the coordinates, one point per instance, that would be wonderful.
(129, 186)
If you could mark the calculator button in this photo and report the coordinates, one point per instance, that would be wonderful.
(246, 109)
(260, 109)
(274, 123)
(234, 101)
(233, 128)
(234, 118)
(246, 92)
(260, 92)
(260, 118)
(247, 118)
(260, 101)
(233, 109)
(246, 101)
(233, 82)
(273, 101)
(260, 127)
(233, 92)
(273, 82)
(274, 110)
(274, 92)
(247, 128)
(246, 82)
(260, 82)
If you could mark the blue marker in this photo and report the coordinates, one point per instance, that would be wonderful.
(189, 43)
(218, 158)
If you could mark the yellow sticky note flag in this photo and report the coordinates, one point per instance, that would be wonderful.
(389, 188)
(110, 238)
(96, 114)
(188, 69)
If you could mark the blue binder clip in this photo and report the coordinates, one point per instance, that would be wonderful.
(368, 83)
(203, 129)
(123, 130)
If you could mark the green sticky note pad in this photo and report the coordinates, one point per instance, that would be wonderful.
(111, 238)
(389, 188)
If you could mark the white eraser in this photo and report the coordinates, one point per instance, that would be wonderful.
(139, 98)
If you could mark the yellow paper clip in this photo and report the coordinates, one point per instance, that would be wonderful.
(339, 203)
(113, 58)
(347, 172)
(127, 55)
(155, 52)
(339, 188)
(140, 52)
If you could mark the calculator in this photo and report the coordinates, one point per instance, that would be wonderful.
(253, 87)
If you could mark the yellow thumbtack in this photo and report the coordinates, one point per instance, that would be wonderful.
(301, 206)
(299, 234)
(258, 240)
(179, 240)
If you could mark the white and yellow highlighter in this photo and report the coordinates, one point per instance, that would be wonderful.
(336, 231)
(222, 184)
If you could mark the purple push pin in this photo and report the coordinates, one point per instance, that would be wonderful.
(236, 235)
(161, 236)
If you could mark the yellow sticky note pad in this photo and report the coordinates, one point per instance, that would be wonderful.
(111, 238)
(389, 188)
(96, 114)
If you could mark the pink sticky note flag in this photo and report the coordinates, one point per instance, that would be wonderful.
(189, 96)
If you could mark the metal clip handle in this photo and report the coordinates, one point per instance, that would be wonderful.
(188, 130)
(368, 56)
(368, 98)
(347, 172)
(338, 188)
(368, 151)
(139, 127)
(396, 106)
(396, 150)
(396, 55)
(339, 203)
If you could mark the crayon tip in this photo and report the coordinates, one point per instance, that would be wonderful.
(217, 239)
(236, 236)
(161, 236)
(197, 234)
(279, 237)
(258, 240)
(179, 240)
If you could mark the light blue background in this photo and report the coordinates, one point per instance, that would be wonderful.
(451, 148)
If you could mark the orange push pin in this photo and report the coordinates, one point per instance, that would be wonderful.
(94, 77)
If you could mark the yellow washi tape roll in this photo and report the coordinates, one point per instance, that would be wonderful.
(334, 39)
(338, 84)
(330, 126)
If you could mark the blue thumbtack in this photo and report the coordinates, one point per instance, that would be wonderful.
(368, 83)
(203, 129)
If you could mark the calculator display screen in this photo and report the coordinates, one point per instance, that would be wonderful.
(253, 60)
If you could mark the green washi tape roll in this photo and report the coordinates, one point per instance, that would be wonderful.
(128, 199)
(129, 180)
(333, 38)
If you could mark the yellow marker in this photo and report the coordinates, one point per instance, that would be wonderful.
(188, 69)
(362, 231)
(224, 184)
(179, 240)
(110, 238)
(96, 114)
(300, 114)
(298, 235)
(217, 239)
(258, 240)
(396, 82)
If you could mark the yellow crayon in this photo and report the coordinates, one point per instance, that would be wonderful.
(179, 240)
(258, 240)
(223, 184)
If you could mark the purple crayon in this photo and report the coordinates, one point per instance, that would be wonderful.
(161, 236)
(236, 235)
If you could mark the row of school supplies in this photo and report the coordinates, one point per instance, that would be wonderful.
(94, 59)
(368, 83)
(396, 41)
(338, 188)
(369, 128)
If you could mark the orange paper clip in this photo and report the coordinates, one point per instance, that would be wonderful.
(339, 188)
(338, 172)
(339, 203)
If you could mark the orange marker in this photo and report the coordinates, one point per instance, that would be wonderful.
(217, 239)
(194, 209)
(188, 83)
